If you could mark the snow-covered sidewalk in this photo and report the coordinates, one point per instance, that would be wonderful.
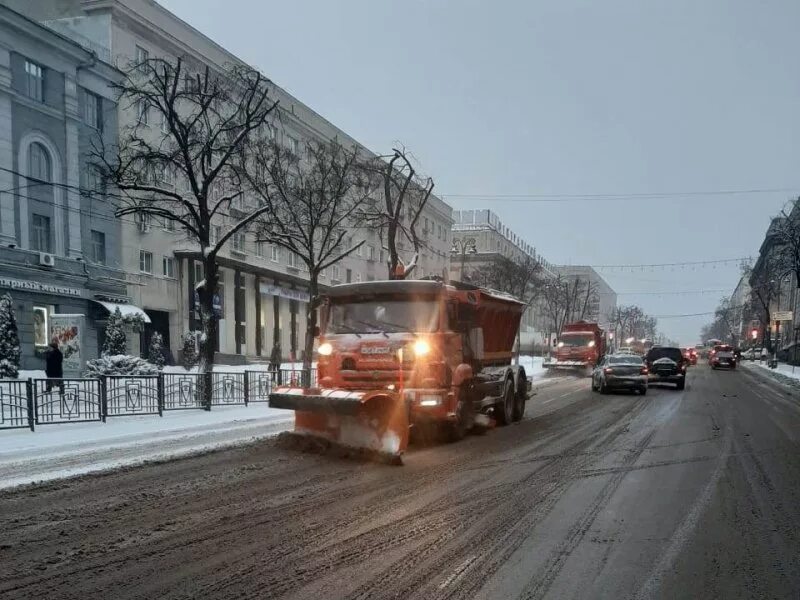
(782, 372)
(56, 451)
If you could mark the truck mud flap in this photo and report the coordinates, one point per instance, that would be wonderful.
(375, 424)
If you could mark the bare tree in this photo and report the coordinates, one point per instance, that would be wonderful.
(311, 203)
(405, 195)
(764, 288)
(188, 173)
(785, 238)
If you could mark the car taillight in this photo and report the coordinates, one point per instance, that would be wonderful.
(643, 371)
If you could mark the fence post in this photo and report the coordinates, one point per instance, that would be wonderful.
(160, 393)
(246, 387)
(29, 394)
(208, 382)
(103, 398)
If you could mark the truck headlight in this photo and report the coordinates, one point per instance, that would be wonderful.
(421, 347)
(325, 349)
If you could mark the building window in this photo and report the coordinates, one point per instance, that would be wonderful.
(144, 220)
(191, 84)
(360, 250)
(169, 224)
(146, 262)
(335, 272)
(93, 110)
(38, 162)
(239, 242)
(216, 234)
(34, 81)
(40, 326)
(292, 260)
(142, 56)
(98, 241)
(382, 256)
(142, 112)
(358, 277)
(168, 267)
(371, 253)
(348, 275)
(260, 249)
(322, 273)
(94, 181)
(41, 234)
(294, 145)
(275, 254)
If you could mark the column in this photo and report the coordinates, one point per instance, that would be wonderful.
(72, 205)
(7, 228)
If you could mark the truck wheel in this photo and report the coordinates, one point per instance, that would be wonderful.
(505, 408)
(519, 406)
(465, 419)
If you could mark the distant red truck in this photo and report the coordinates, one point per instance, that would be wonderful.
(581, 345)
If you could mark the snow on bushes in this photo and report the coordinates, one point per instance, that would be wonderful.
(119, 364)
(155, 353)
(9, 339)
(116, 341)
(189, 350)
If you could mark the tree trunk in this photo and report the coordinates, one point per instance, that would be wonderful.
(311, 325)
(208, 325)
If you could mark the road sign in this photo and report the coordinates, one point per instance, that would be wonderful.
(782, 315)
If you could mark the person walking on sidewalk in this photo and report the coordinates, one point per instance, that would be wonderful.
(54, 366)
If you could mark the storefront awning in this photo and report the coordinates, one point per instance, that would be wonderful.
(125, 309)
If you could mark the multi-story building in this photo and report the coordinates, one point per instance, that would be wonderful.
(739, 301)
(602, 300)
(479, 237)
(59, 246)
(263, 290)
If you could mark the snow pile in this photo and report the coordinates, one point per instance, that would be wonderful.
(783, 371)
(77, 448)
(119, 364)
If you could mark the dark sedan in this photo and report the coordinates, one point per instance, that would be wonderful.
(620, 372)
(667, 365)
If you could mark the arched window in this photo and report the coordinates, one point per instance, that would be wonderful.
(38, 162)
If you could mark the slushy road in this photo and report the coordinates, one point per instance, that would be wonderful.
(692, 494)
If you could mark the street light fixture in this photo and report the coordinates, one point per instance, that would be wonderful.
(463, 247)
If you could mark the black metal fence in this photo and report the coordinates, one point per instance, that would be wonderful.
(27, 403)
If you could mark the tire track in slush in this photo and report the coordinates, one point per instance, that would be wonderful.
(540, 585)
(540, 489)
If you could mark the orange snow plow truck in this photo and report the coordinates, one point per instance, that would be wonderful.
(400, 354)
(580, 346)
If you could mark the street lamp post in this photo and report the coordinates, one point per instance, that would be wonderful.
(463, 247)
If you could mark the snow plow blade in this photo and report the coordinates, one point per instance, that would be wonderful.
(373, 423)
(564, 364)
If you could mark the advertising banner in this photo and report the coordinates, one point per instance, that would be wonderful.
(69, 330)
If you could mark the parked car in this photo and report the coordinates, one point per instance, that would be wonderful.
(666, 364)
(620, 372)
(625, 350)
(751, 354)
(723, 356)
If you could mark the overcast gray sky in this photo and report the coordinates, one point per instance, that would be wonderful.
(562, 97)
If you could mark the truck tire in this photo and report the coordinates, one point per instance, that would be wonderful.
(519, 406)
(465, 418)
(505, 408)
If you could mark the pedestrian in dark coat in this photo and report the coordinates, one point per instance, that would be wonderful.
(53, 365)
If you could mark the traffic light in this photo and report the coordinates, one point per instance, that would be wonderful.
(754, 334)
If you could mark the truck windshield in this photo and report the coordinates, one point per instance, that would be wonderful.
(375, 316)
(574, 340)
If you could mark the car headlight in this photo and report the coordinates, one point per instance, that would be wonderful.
(560, 344)
(325, 349)
(421, 347)
(591, 344)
